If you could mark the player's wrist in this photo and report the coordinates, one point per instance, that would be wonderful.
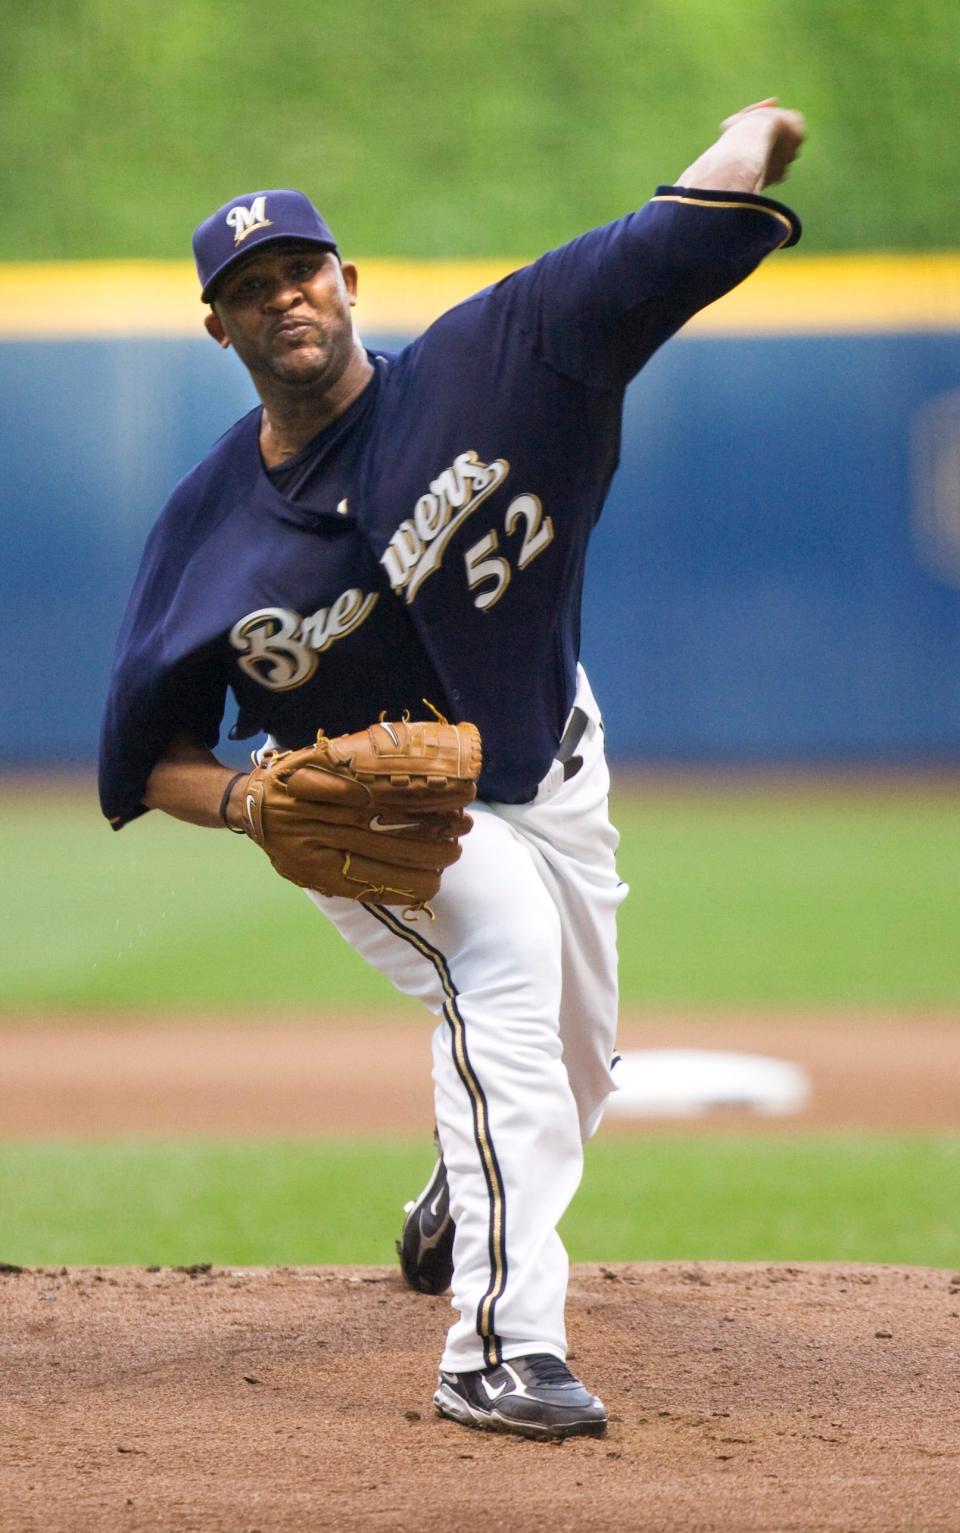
(230, 802)
(735, 163)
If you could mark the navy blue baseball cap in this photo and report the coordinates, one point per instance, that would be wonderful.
(255, 218)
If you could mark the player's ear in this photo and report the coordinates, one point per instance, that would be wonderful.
(214, 328)
(350, 279)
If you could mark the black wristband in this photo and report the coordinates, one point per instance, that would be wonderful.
(224, 802)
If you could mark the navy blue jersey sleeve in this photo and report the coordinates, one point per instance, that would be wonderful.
(598, 308)
(155, 693)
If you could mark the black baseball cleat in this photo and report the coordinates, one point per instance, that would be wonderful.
(425, 1246)
(536, 1396)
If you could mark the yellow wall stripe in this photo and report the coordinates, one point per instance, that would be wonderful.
(789, 295)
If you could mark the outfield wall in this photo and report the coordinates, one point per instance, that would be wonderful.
(776, 576)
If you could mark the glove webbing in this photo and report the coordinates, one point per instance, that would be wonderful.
(377, 891)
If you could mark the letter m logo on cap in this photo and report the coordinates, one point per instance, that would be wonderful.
(244, 221)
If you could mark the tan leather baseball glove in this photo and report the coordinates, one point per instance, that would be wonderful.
(374, 816)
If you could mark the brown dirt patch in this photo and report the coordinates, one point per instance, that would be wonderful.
(808, 1398)
(894, 1072)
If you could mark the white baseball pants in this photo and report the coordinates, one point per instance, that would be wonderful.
(520, 967)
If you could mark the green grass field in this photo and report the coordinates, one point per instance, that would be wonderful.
(741, 898)
(842, 1198)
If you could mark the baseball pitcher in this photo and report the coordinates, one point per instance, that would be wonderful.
(382, 564)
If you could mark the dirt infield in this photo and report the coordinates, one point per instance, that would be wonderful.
(357, 1077)
(804, 1398)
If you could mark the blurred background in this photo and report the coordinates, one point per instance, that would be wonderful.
(772, 616)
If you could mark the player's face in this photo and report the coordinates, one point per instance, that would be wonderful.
(286, 313)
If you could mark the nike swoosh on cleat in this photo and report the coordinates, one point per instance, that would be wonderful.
(494, 1394)
(384, 830)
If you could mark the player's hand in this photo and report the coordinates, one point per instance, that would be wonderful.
(756, 147)
(775, 130)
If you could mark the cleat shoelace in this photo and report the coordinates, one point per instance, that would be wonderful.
(547, 1369)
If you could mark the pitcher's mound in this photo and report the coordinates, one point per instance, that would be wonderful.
(748, 1397)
